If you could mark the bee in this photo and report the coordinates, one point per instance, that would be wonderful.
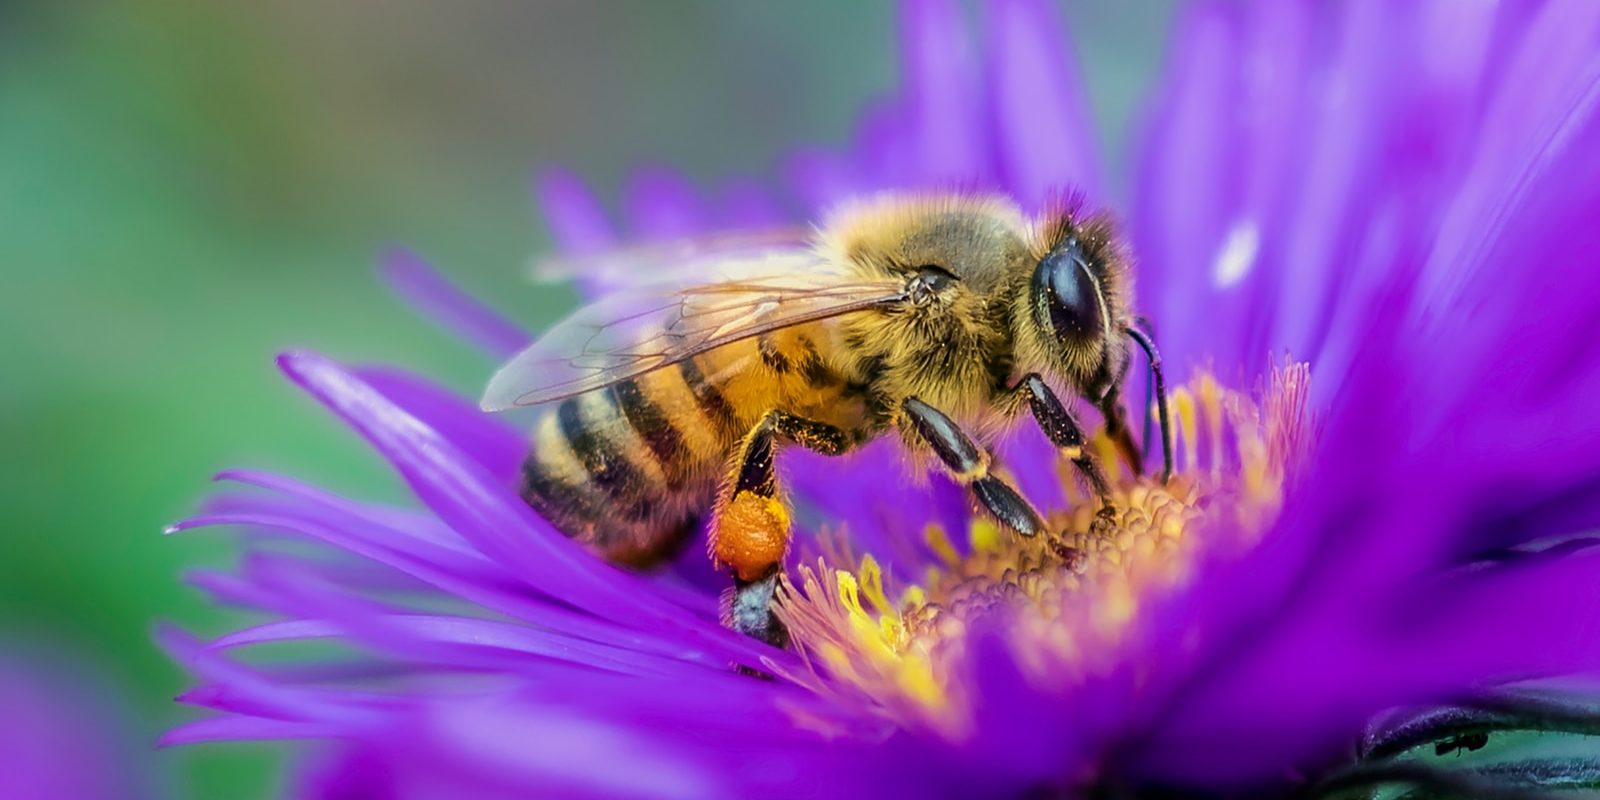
(938, 319)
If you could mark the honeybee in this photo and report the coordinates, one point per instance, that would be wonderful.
(940, 319)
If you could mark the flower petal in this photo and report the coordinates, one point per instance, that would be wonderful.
(1043, 126)
(498, 522)
(454, 310)
(948, 142)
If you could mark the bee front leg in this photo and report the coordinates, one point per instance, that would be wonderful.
(1066, 434)
(969, 464)
(750, 526)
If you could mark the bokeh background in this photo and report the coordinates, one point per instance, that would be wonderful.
(188, 187)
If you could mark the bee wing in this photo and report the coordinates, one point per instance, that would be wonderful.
(692, 259)
(627, 334)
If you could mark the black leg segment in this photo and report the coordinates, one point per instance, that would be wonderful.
(1063, 431)
(1158, 378)
(969, 464)
(750, 610)
(1007, 506)
(819, 437)
(750, 532)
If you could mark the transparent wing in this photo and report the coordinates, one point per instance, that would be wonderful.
(692, 260)
(627, 334)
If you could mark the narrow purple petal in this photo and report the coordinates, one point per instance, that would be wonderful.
(454, 310)
(461, 641)
(497, 521)
(389, 528)
(1550, 84)
(455, 641)
(568, 754)
(491, 590)
(661, 204)
(1183, 194)
(942, 105)
(234, 728)
(885, 148)
(228, 589)
(748, 204)
(820, 179)
(578, 223)
(496, 446)
(491, 594)
(1266, 150)
(1043, 129)
(403, 524)
(350, 534)
(239, 688)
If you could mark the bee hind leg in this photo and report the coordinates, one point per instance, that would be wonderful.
(969, 464)
(750, 527)
(748, 609)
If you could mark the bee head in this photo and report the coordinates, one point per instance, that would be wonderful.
(1077, 299)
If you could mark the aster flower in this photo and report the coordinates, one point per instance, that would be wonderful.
(1365, 236)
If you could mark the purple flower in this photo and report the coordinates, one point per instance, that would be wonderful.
(56, 717)
(1365, 236)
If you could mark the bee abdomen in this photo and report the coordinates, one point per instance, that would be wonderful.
(610, 468)
(593, 439)
(653, 426)
(718, 411)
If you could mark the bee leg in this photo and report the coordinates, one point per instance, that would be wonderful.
(750, 526)
(1158, 382)
(748, 609)
(969, 464)
(1149, 328)
(1064, 432)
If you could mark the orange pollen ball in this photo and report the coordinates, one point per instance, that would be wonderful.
(751, 535)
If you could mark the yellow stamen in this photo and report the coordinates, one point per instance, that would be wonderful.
(872, 584)
(985, 536)
(940, 543)
(1183, 404)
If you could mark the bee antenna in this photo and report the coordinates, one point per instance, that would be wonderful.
(1158, 378)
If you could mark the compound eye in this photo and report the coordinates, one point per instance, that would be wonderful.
(1067, 289)
(929, 281)
(934, 278)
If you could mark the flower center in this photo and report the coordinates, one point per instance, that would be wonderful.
(1060, 602)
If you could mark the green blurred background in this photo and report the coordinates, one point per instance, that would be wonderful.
(188, 187)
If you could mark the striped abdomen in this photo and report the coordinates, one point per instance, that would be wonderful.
(631, 468)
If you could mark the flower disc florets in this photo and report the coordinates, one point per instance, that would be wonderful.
(1061, 601)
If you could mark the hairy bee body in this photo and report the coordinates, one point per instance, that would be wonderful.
(630, 467)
